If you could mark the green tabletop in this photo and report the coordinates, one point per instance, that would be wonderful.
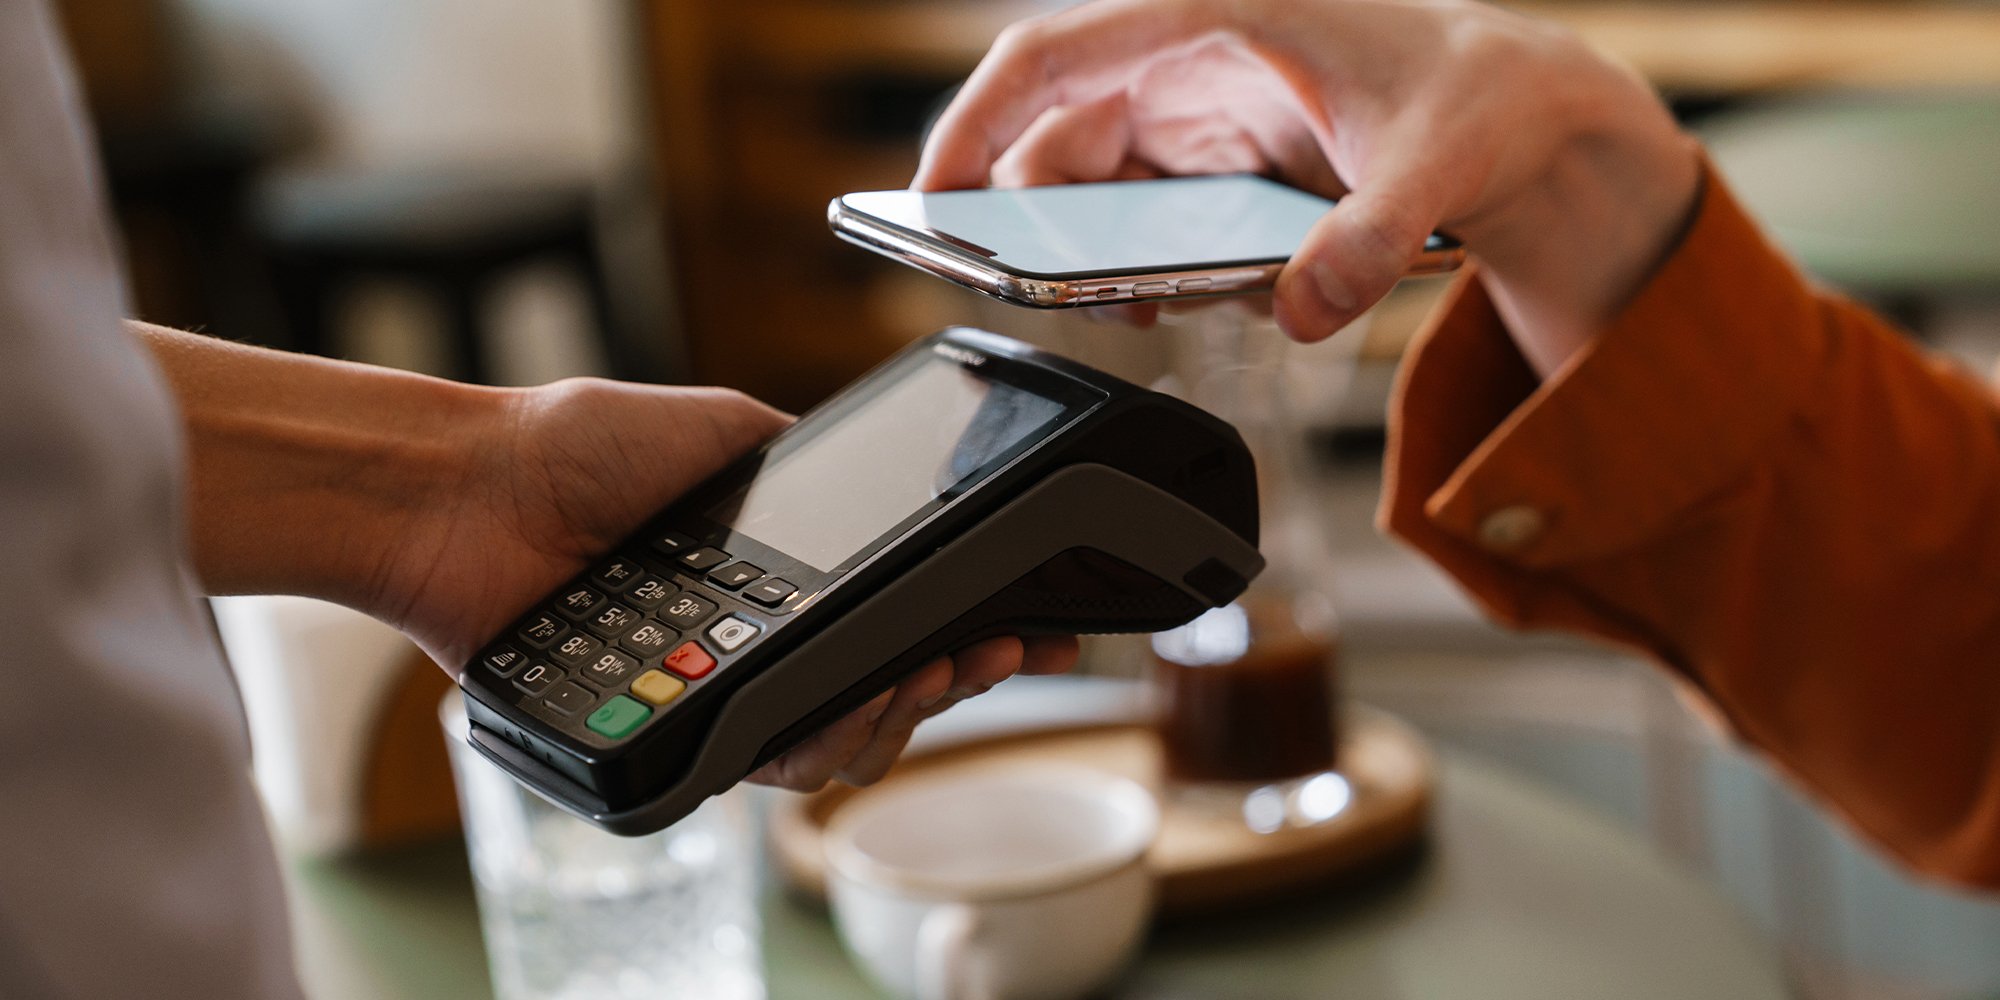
(1520, 894)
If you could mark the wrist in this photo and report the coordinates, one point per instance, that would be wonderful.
(1581, 239)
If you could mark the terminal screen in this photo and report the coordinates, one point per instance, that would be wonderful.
(931, 434)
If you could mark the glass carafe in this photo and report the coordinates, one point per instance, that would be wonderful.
(1247, 694)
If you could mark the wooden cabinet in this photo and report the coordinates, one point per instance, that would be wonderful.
(764, 110)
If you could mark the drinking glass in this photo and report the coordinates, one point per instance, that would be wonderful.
(573, 913)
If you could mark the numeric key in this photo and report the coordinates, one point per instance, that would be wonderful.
(687, 611)
(537, 678)
(612, 620)
(541, 631)
(617, 574)
(576, 649)
(650, 593)
(610, 669)
(648, 639)
(579, 602)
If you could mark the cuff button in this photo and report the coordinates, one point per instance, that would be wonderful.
(1511, 528)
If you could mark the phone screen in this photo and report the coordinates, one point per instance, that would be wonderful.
(1114, 227)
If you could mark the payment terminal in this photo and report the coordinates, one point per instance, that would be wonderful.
(969, 487)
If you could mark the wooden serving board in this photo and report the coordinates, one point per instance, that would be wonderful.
(1205, 860)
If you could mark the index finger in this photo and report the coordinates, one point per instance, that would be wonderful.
(1077, 55)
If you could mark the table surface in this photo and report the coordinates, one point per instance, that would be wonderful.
(1520, 894)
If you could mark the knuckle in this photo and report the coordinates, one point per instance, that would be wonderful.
(1384, 228)
(575, 393)
(1021, 39)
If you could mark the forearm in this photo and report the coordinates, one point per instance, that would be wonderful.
(304, 472)
(1766, 488)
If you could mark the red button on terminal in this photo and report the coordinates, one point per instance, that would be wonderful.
(690, 661)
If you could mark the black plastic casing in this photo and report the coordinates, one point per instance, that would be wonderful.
(1136, 514)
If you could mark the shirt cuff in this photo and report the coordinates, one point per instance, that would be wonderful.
(1492, 474)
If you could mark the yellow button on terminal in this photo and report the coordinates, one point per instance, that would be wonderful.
(657, 687)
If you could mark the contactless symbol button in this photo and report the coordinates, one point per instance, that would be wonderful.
(569, 698)
(690, 661)
(617, 718)
(671, 543)
(734, 575)
(657, 687)
(703, 558)
(650, 593)
(575, 649)
(649, 638)
(732, 632)
(504, 660)
(541, 630)
(771, 593)
(579, 602)
(537, 678)
(615, 574)
(612, 620)
(688, 611)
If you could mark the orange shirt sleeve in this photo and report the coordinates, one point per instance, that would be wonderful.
(1763, 486)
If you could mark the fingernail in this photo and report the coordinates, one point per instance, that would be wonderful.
(878, 708)
(932, 700)
(960, 693)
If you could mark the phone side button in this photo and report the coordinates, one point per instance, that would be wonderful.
(1193, 285)
(1108, 292)
(1150, 288)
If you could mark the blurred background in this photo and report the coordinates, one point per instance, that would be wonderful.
(512, 191)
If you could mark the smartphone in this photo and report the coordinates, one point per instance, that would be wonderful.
(1113, 241)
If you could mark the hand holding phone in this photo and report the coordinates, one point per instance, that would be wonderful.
(1101, 243)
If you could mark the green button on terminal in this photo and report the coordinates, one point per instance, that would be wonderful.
(616, 719)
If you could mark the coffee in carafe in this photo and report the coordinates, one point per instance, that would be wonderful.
(1246, 695)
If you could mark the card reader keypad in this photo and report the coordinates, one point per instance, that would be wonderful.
(687, 611)
(617, 574)
(579, 603)
(611, 620)
(633, 635)
(703, 558)
(575, 648)
(734, 575)
(648, 638)
(650, 593)
(610, 669)
(731, 633)
(539, 677)
(541, 631)
(503, 659)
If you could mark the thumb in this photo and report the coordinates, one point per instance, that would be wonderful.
(1354, 255)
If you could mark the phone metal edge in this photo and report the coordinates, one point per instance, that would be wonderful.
(981, 275)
